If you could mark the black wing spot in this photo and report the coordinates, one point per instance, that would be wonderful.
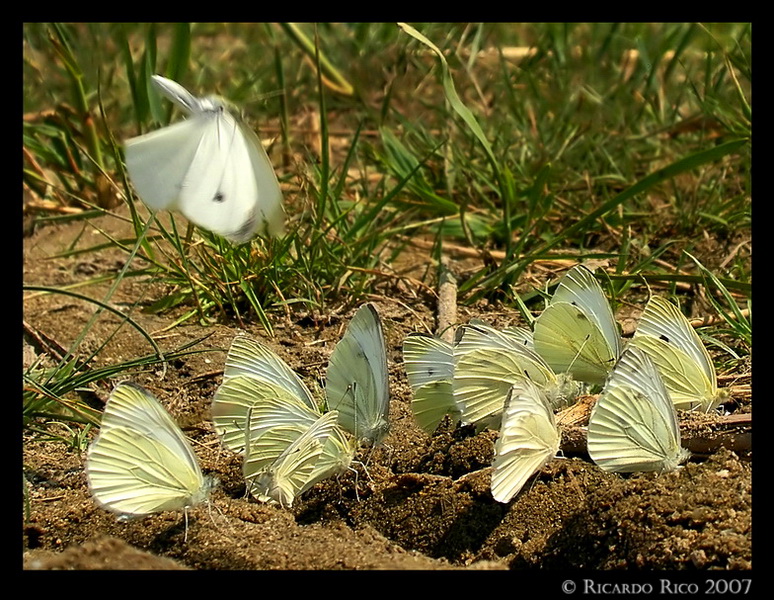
(219, 197)
(664, 338)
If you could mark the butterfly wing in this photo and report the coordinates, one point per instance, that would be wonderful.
(356, 382)
(279, 463)
(133, 407)
(247, 356)
(528, 440)
(633, 425)
(580, 288)
(662, 319)
(685, 381)
(577, 331)
(570, 342)
(140, 462)
(426, 359)
(678, 352)
(178, 95)
(517, 342)
(338, 452)
(478, 335)
(287, 460)
(484, 377)
(429, 364)
(159, 162)
(245, 398)
(432, 402)
(269, 204)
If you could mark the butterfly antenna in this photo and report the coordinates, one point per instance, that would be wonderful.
(340, 400)
(352, 389)
(578, 353)
(248, 431)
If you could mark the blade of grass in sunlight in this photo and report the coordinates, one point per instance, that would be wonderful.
(450, 91)
(332, 75)
(738, 322)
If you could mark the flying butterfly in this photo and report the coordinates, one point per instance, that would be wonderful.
(210, 167)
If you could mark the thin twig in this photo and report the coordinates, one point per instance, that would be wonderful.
(447, 301)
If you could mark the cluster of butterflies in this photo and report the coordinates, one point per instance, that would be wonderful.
(141, 463)
(214, 170)
(515, 379)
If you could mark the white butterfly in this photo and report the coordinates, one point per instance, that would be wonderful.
(140, 463)
(264, 410)
(488, 362)
(633, 425)
(263, 404)
(254, 374)
(356, 381)
(577, 332)
(286, 460)
(528, 440)
(683, 361)
(429, 364)
(210, 167)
